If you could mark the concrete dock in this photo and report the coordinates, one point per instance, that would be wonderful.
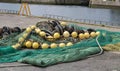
(109, 61)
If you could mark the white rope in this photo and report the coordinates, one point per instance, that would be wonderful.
(99, 46)
(101, 50)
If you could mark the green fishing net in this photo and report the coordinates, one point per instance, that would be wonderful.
(46, 57)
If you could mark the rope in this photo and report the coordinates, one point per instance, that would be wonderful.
(101, 50)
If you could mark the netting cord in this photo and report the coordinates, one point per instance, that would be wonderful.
(101, 49)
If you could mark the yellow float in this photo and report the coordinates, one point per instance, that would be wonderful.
(35, 45)
(21, 39)
(44, 46)
(50, 38)
(16, 45)
(37, 30)
(93, 34)
(25, 35)
(87, 35)
(97, 33)
(81, 36)
(62, 45)
(42, 34)
(33, 27)
(56, 35)
(74, 34)
(28, 30)
(28, 44)
(66, 34)
(69, 44)
(53, 45)
(63, 23)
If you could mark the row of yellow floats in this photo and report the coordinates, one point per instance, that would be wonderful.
(66, 34)
(36, 45)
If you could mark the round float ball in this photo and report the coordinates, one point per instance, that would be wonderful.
(62, 45)
(44, 46)
(21, 39)
(86, 35)
(35, 45)
(69, 44)
(92, 34)
(56, 35)
(74, 34)
(28, 30)
(42, 34)
(50, 38)
(16, 45)
(25, 35)
(97, 33)
(81, 36)
(66, 34)
(37, 30)
(53, 45)
(63, 23)
(28, 44)
(33, 27)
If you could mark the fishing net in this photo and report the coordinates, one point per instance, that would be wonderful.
(80, 49)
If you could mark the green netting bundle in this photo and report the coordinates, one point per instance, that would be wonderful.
(44, 57)
(64, 55)
(48, 57)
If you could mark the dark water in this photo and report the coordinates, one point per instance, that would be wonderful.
(76, 12)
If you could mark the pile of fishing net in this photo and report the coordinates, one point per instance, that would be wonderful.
(53, 42)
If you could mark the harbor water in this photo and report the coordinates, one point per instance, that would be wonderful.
(75, 12)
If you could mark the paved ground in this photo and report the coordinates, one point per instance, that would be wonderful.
(109, 61)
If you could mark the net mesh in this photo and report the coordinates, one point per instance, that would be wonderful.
(45, 57)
